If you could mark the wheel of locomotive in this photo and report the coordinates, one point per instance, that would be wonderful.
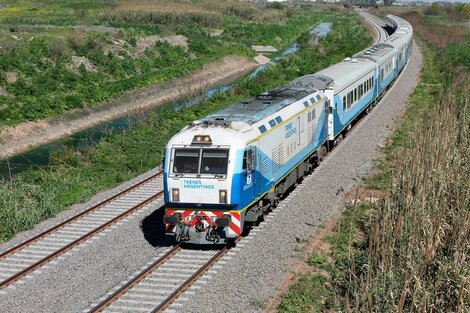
(275, 202)
(338, 139)
(321, 153)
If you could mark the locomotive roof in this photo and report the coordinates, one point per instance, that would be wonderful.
(254, 109)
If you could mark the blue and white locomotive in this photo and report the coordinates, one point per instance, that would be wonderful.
(224, 171)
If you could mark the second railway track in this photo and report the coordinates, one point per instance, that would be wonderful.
(39, 250)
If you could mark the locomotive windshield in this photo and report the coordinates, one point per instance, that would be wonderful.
(214, 161)
(186, 161)
(200, 161)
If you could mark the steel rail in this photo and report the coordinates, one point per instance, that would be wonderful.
(118, 293)
(69, 246)
(172, 297)
(375, 23)
(150, 269)
(73, 218)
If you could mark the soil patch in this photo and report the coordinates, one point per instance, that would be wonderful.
(261, 59)
(314, 244)
(18, 139)
(363, 195)
(146, 42)
(11, 77)
(258, 48)
(78, 61)
(4, 93)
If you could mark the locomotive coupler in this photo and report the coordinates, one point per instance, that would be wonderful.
(200, 224)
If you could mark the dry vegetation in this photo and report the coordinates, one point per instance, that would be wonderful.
(439, 35)
(416, 254)
(418, 247)
(208, 8)
(165, 6)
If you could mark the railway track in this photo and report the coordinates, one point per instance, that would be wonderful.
(378, 26)
(161, 282)
(36, 252)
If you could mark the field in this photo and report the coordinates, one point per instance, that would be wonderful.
(60, 56)
(408, 252)
(36, 194)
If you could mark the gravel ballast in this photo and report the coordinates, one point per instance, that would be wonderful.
(253, 270)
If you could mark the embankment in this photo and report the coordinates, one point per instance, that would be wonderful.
(20, 138)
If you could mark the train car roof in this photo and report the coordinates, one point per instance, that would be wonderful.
(255, 109)
(343, 74)
(377, 53)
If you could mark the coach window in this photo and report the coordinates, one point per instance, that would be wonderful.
(214, 161)
(344, 103)
(186, 161)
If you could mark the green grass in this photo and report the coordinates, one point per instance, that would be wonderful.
(35, 195)
(39, 39)
(310, 293)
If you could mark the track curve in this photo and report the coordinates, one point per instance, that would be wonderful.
(377, 24)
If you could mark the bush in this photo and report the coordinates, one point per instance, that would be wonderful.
(56, 48)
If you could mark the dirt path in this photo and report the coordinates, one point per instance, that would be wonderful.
(18, 139)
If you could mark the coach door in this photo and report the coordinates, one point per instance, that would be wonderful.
(251, 157)
(257, 171)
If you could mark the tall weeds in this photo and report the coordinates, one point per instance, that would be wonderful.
(418, 257)
(136, 16)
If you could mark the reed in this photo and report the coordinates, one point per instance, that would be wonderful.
(418, 252)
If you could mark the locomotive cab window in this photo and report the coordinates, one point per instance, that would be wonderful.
(214, 161)
(186, 161)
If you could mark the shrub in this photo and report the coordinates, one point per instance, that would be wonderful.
(56, 48)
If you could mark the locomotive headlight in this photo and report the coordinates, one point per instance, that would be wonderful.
(175, 194)
(223, 196)
(202, 140)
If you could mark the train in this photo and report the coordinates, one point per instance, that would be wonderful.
(224, 171)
